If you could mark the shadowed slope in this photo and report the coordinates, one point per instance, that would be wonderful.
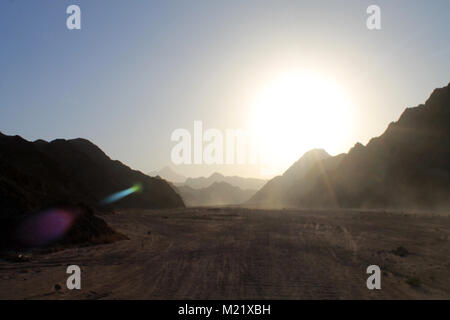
(277, 192)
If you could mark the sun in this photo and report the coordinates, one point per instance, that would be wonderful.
(296, 112)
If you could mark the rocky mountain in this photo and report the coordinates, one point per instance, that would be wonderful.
(278, 191)
(38, 175)
(217, 194)
(168, 174)
(407, 167)
(240, 182)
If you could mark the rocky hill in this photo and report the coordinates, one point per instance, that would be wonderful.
(35, 176)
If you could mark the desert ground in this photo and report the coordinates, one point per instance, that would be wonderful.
(236, 253)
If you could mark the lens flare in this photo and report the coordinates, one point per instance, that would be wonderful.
(46, 227)
(121, 194)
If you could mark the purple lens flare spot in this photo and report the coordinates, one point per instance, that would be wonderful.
(46, 227)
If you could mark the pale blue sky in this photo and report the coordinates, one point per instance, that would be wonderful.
(137, 70)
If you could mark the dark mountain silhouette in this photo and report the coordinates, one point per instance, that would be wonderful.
(168, 174)
(243, 183)
(34, 174)
(38, 175)
(407, 167)
(278, 191)
(217, 194)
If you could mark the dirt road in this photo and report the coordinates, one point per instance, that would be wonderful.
(248, 254)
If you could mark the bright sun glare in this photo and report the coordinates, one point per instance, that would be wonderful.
(298, 112)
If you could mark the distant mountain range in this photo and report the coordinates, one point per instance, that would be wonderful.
(243, 183)
(217, 194)
(214, 190)
(407, 167)
(168, 174)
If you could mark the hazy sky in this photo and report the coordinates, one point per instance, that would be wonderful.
(138, 70)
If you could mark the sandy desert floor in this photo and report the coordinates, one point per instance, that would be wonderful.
(247, 254)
